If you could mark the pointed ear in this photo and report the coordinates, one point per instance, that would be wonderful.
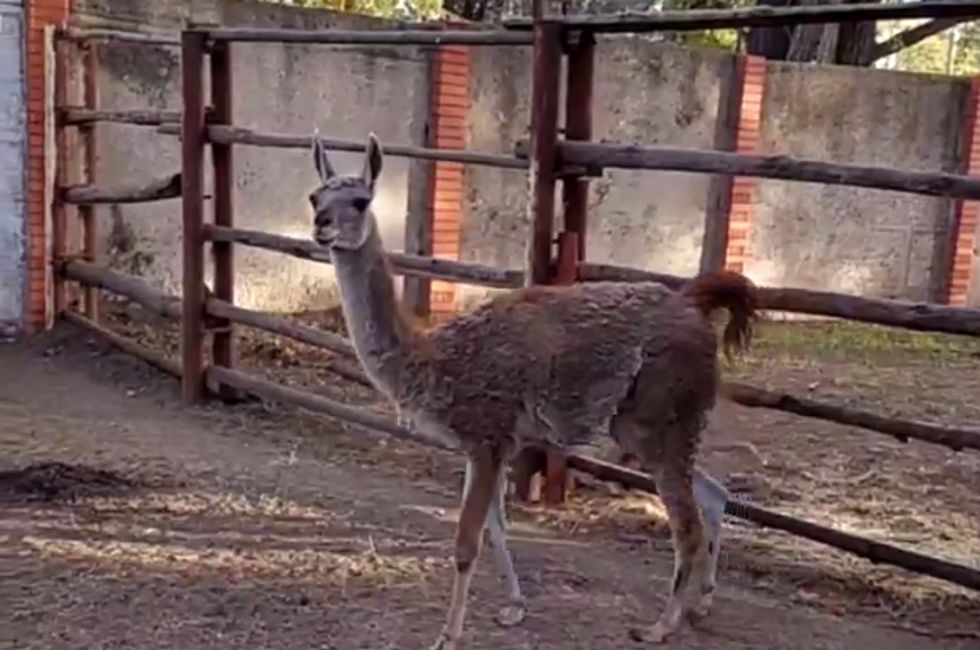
(323, 167)
(373, 157)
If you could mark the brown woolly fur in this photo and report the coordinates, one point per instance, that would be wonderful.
(734, 292)
(553, 365)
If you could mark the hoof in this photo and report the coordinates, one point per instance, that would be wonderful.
(512, 615)
(657, 633)
(700, 609)
(444, 642)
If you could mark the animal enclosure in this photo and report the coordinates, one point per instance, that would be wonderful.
(208, 316)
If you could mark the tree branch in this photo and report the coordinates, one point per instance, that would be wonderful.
(910, 37)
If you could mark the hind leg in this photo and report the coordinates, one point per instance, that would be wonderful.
(712, 498)
(691, 561)
(515, 611)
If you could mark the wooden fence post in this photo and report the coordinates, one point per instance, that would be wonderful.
(192, 189)
(223, 332)
(575, 201)
(86, 213)
(543, 175)
(59, 210)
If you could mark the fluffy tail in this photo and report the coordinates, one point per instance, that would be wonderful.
(731, 291)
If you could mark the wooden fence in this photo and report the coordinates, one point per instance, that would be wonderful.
(206, 120)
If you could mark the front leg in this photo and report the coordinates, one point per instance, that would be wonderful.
(515, 611)
(483, 476)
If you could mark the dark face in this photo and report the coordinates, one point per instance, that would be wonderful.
(342, 216)
(341, 212)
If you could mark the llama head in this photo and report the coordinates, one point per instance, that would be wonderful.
(342, 217)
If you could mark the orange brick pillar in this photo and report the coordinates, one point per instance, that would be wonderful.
(450, 107)
(40, 14)
(964, 239)
(753, 79)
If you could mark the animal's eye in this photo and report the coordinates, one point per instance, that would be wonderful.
(313, 200)
(361, 204)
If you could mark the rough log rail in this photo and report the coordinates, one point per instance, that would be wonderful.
(278, 325)
(678, 159)
(125, 285)
(217, 377)
(82, 116)
(166, 364)
(954, 438)
(877, 552)
(700, 19)
(923, 317)
(403, 263)
(157, 190)
(221, 134)
(75, 34)
(368, 37)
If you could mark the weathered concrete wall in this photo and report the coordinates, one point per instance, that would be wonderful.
(855, 240)
(13, 135)
(346, 92)
(644, 92)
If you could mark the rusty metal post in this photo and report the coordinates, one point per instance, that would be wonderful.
(59, 210)
(545, 97)
(192, 189)
(575, 203)
(223, 332)
(86, 213)
(578, 126)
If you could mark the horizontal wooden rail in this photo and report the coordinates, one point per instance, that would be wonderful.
(678, 159)
(403, 263)
(157, 190)
(281, 326)
(876, 552)
(923, 317)
(76, 116)
(955, 438)
(368, 37)
(133, 288)
(700, 19)
(220, 134)
(364, 417)
(76, 34)
(166, 364)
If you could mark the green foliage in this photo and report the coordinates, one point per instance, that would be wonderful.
(935, 56)
(393, 9)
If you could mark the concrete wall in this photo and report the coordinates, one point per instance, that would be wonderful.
(844, 239)
(645, 92)
(346, 92)
(13, 134)
(848, 239)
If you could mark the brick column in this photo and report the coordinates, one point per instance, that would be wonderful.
(450, 107)
(743, 197)
(40, 14)
(966, 211)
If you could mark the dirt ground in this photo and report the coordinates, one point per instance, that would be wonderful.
(261, 526)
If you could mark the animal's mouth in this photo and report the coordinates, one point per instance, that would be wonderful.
(324, 236)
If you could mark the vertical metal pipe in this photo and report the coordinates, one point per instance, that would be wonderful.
(544, 136)
(223, 335)
(578, 126)
(545, 96)
(87, 213)
(59, 220)
(192, 187)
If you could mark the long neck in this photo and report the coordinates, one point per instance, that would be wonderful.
(380, 332)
